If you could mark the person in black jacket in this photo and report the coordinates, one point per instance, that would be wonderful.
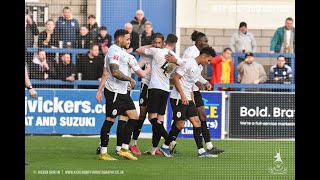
(84, 41)
(134, 38)
(65, 70)
(104, 41)
(146, 38)
(90, 66)
(93, 28)
(48, 39)
(138, 22)
(31, 30)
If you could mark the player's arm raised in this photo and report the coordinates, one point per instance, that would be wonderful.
(141, 50)
(173, 58)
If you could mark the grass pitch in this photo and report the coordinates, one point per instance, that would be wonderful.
(52, 157)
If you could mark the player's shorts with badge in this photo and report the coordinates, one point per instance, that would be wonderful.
(181, 111)
(157, 101)
(143, 95)
(117, 104)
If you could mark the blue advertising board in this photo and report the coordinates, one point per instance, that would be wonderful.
(214, 106)
(69, 111)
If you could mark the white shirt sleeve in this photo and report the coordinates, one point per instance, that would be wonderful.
(149, 51)
(133, 63)
(202, 79)
(186, 54)
(182, 70)
(195, 79)
(179, 60)
(105, 61)
(114, 57)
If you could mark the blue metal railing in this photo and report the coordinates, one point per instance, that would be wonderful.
(73, 52)
(245, 86)
(75, 83)
(235, 56)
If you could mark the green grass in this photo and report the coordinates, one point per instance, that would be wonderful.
(243, 159)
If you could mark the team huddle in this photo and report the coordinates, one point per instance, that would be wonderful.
(157, 64)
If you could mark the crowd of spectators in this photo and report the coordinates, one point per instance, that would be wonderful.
(67, 33)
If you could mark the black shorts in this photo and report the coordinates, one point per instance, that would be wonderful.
(181, 111)
(198, 98)
(122, 103)
(157, 101)
(143, 99)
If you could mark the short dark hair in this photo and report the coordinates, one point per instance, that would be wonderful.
(92, 46)
(103, 28)
(157, 35)
(208, 51)
(91, 16)
(40, 50)
(226, 49)
(289, 19)
(171, 38)
(66, 7)
(120, 32)
(242, 24)
(280, 56)
(197, 35)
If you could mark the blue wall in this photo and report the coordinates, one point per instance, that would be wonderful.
(162, 14)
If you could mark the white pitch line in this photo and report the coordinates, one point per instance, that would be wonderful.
(149, 135)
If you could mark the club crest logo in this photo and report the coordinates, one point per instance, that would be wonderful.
(278, 165)
(114, 112)
(179, 114)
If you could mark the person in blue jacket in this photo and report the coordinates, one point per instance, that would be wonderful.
(67, 28)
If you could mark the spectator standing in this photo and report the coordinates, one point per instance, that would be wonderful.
(93, 29)
(84, 41)
(104, 41)
(67, 28)
(243, 41)
(48, 38)
(138, 22)
(222, 68)
(31, 30)
(146, 37)
(283, 40)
